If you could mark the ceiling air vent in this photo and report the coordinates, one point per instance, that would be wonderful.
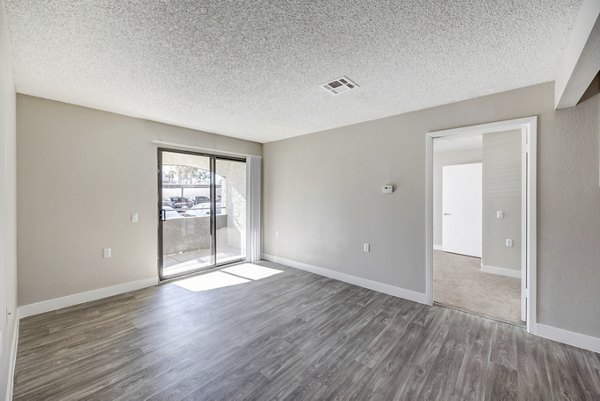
(340, 85)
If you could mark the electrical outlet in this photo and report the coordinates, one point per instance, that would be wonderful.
(107, 253)
(509, 243)
(499, 214)
(366, 247)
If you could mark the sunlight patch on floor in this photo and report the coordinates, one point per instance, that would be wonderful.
(252, 271)
(233, 275)
(210, 281)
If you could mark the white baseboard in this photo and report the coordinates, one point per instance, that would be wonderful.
(75, 299)
(347, 278)
(437, 247)
(501, 271)
(569, 337)
(12, 361)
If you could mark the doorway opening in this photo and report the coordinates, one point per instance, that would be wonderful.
(202, 212)
(481, 220)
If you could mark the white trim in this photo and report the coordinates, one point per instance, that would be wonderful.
(528, 127)
(12, 361)
(524, 167)
(212, 151)
(501, 271)
(253, 207)
(82, 297)
(347, 278)
(531, 238)
(488, 128)
(437, 247)
(429, 219)
(569, 337)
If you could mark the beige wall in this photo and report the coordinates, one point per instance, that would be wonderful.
(311, 198)
(8, 206)
(441, 159)
(81, 172)
(501, 177)
(233, 232)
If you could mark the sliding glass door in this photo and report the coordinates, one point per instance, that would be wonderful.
(231, 210)
(202, 211)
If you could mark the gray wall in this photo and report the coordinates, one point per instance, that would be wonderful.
(81, 172)
(501, 176)
(441, 159)
(8, 206)
(322, 192)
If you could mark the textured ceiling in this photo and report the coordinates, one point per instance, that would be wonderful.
(252, 69)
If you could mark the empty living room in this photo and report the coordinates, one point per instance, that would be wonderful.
(295, 200)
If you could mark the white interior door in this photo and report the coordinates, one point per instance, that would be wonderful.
(461, 206)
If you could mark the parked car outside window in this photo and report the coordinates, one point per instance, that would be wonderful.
(179, 202)
(201, 199)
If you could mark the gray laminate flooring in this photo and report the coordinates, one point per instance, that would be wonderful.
(248, 333)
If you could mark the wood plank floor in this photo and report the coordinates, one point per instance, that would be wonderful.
(288, 336)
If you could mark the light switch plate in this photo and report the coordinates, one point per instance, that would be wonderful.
(135, 217)
(107, 253)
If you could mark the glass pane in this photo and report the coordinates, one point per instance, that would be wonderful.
(186, 232)
(230, 181)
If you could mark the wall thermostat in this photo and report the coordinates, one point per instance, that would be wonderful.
(387, 189)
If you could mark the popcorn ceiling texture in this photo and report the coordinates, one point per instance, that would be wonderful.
(253, 69)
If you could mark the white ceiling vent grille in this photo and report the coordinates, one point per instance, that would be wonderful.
(340, 85)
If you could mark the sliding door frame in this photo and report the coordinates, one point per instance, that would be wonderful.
(213, 211)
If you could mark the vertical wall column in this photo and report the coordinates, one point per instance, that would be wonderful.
(253, 204)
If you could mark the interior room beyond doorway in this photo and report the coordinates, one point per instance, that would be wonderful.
(477, 224)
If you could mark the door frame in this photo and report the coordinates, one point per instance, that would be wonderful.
(213, 215)
(528, 128)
